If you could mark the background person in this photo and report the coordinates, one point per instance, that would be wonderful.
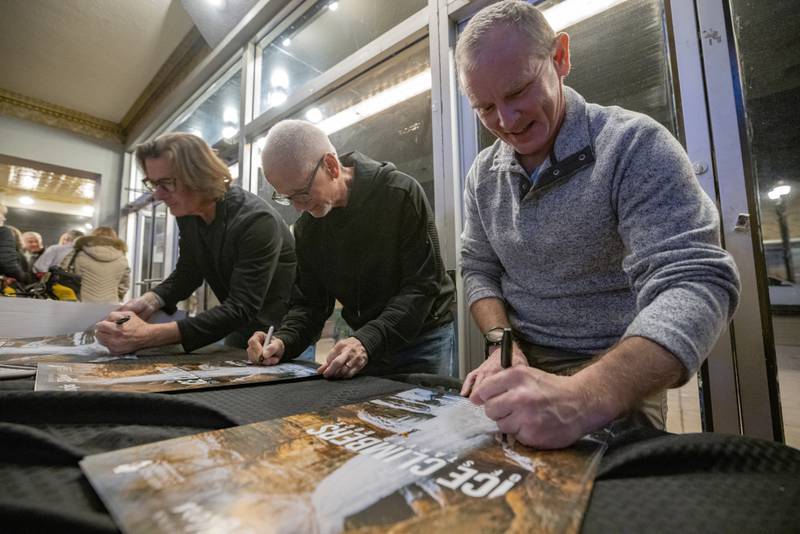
(55, 254)
(227, 236)
(367, 238)
(33, 246)
(585, 231)
(100, 260)
(12, 261)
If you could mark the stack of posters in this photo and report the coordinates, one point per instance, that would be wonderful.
(19, 356)
(153, 377)
(417, 461)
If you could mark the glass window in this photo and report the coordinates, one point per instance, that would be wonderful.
(320, 38)
(769, 59)
(215, 116)
(385, 113)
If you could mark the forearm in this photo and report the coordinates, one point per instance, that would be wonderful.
(631, 371)
(489, 313)
(162, 334)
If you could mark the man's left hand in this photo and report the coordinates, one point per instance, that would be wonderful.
(346, 358)
(123, 338)
(539, 409)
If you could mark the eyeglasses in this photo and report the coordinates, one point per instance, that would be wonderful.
(302, 196)
(166, 184)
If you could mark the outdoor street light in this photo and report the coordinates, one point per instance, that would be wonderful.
(778, 194)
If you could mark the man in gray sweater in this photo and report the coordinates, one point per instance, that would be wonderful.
(587, 233)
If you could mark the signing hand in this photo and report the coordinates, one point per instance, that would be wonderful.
(144, 306)
(539, 409)
(345, 359)
(490, 367)
(258, 354)
(123, 338)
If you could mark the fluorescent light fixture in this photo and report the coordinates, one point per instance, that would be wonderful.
(276, 98)
(401, 92)
(231, 115)
(279, 78)
(27, 201)
(286, 42)
(571, 12)
(314, 115)
(87, 210)
(229, 132)
(775, 193)
(333, 6)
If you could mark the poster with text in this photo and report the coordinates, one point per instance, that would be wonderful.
(416, 461)
(154, 377)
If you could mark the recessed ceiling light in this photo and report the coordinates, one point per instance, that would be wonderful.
(314, 115)
(333, 6)
(26, 201)
(286, 42)
(87, 210)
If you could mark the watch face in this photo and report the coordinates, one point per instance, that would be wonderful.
(494, 335)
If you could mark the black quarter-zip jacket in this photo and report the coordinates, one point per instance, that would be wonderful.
(379, 256)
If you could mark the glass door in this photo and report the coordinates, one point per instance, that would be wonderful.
(768, 53)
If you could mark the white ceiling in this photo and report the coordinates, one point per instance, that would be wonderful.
(93, 56)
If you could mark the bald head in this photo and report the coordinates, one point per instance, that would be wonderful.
(294, 147)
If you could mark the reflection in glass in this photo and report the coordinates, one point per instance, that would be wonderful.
(319, 39)
(215, 116)
(385, 113)
(769, 62)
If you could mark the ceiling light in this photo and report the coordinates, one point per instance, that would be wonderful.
(28, 182)
(279, 78)
(569, 12)
(216, 3)
(86, 190)
(28, 201)
(401, 92)
(314, 115)
(195, 131)
(778, 191)
(88, 226)
(286, 42)
(333, 6)
(229, 132)
(87, 210)
(231, 115)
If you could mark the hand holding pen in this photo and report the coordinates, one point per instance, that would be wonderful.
(264, 349)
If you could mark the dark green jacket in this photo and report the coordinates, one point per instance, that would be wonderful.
(247, 257)
(379, 256)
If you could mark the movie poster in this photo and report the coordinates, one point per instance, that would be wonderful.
(154, 377)
(416, 461)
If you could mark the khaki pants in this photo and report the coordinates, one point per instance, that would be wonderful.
(652, 411)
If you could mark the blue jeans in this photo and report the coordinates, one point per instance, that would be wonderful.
(433, 352)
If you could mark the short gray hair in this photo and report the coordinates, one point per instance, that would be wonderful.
(512, 14)
(296, 141)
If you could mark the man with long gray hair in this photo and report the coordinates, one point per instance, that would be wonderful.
(366, 238)
(587, 233)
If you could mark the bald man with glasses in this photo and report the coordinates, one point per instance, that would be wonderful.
(367, 238)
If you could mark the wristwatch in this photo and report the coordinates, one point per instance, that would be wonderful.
(492, 338)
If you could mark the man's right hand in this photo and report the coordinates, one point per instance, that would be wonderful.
(258, 354)
(144, 306)
(490, 367)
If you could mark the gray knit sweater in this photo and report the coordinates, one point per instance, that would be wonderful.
(616, 239)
